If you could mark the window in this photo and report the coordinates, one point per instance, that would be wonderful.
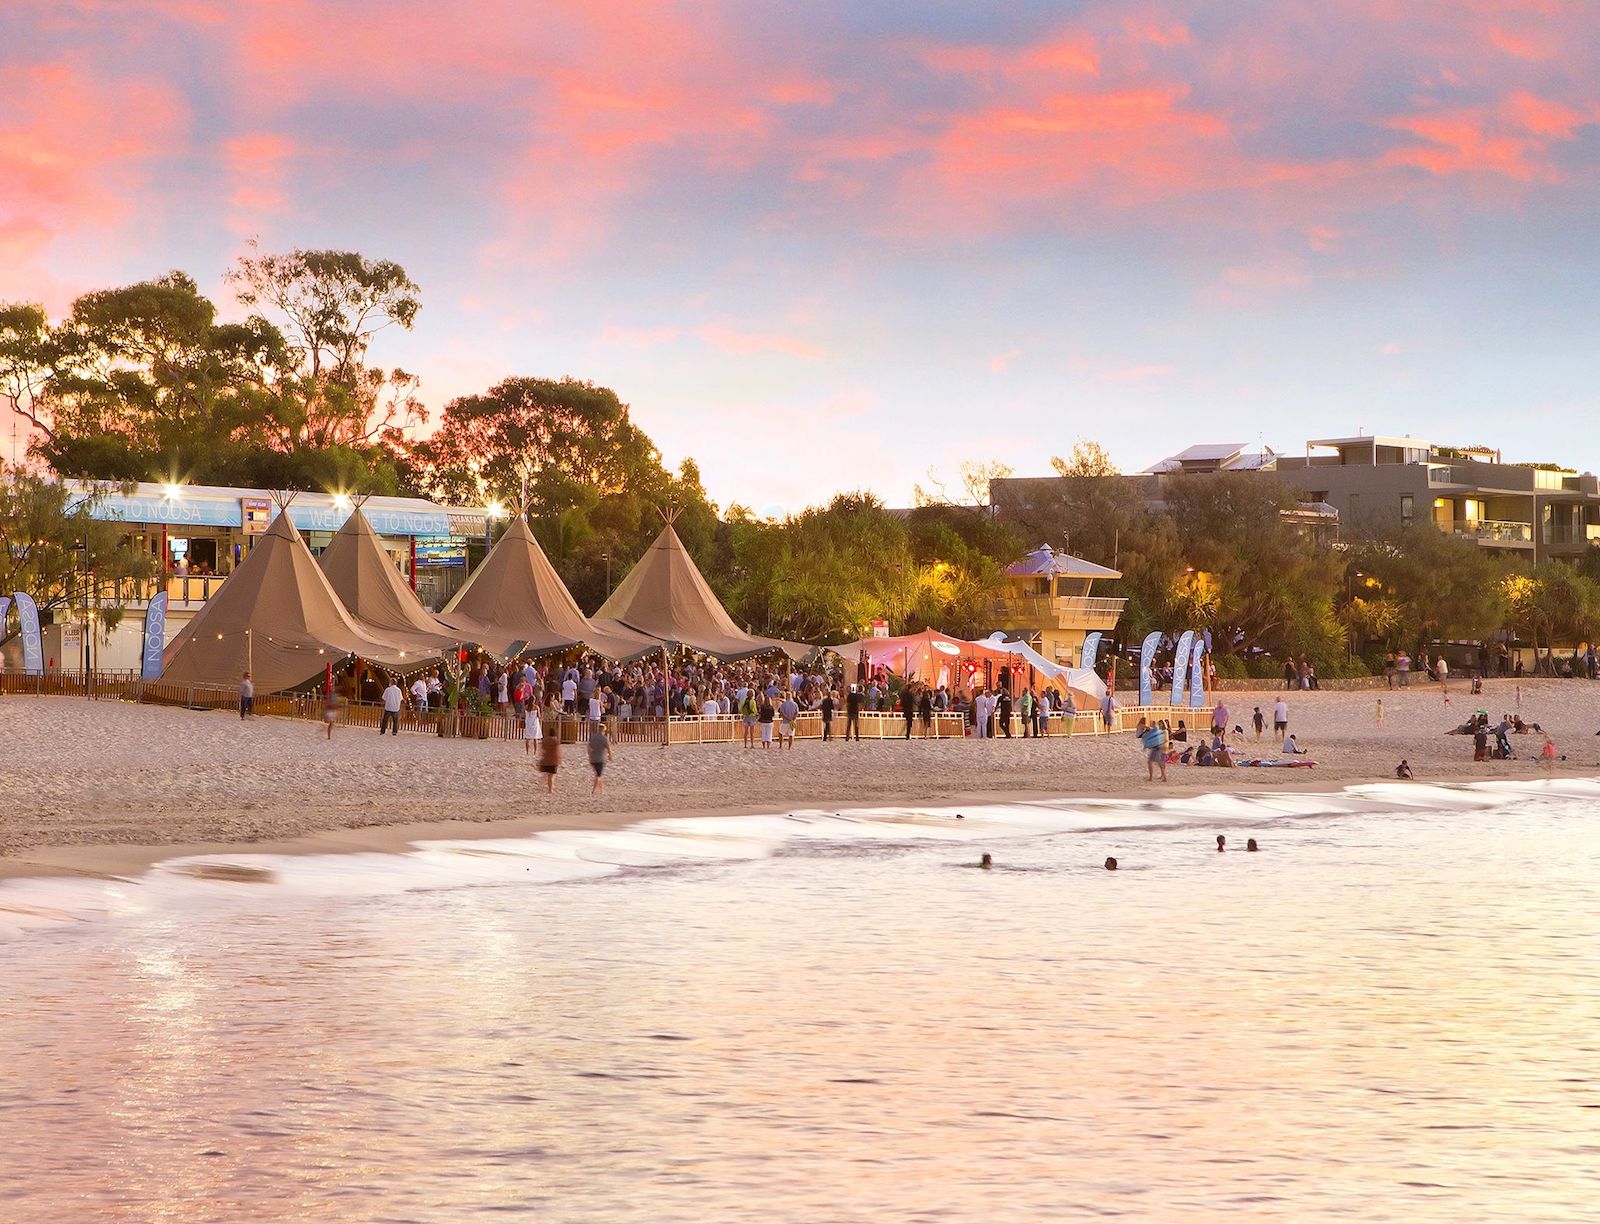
(1408, 507)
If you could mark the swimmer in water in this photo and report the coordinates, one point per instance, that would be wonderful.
(1111, 864)
(1222, 843)
(959, 816)
(986, 862)
(1251, 845)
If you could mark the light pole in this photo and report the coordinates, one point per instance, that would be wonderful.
(606, 557)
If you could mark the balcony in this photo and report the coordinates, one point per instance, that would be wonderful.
(1058, 611)
(1494, 531)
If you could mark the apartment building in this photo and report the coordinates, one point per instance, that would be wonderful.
(1537, 511)
(1369, 483)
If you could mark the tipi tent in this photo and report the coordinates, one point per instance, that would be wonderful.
(666, 596)
(516, 603)
(373, 592)
(277, 617)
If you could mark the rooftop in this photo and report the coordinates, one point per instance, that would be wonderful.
(1046, 561)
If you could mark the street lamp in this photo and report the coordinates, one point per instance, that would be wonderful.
(494, 510)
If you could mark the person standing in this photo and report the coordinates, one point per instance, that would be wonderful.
(599, 756)
(532, 728)
(392, 698)
(1260, 721)
(1280, 718)
(765, 715)
(1005, 712)
(852, 713)
(1108, 709)
(925, 711)
(1025, 706)
(330, 707)
(828, 704)
(247, 696)
(1441, 670)
(908, 707)
(749, 714)
(788, 711)
(1219, 720)
(1402, 669)
(1154, 739)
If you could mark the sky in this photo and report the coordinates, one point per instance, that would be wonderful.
(836, 244)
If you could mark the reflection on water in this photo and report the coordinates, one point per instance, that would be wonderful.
(1389, 1013)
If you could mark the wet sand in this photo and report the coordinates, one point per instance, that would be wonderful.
(107, 788)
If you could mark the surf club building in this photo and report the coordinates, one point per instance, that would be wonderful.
(200, 534)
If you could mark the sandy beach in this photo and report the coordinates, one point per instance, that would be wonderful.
(104, 787)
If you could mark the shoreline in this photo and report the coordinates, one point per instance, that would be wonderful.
(125, 861)
(107, 789)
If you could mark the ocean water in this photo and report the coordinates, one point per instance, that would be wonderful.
(1392, 1012)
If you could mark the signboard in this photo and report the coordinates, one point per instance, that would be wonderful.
(880, 628)
(71, 644)
(441, 552)
(255, 515)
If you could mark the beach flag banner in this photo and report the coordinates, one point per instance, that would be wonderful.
(1091, 648)
(155, 636)
(32, 647)
(1147, 654)
(1180, 666)
(5, 606)
(1197, 677)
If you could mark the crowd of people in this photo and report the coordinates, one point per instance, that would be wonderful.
(765, 699)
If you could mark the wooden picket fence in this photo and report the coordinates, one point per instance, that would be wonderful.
(680, 729)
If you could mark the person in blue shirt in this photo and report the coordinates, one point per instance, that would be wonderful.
(1154, 739)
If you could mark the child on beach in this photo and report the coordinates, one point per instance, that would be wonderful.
(1260, 721)
(532, 728)
(1547, 754)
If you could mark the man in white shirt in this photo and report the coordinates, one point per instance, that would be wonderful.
(419, 695)
(392, 697)
(1280, 718)
(569, 693)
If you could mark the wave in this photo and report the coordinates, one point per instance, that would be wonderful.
(241, 878)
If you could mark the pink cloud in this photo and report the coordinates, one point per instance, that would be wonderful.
(257, 165)
(1001, 362)
(731, 341)
(637, 337)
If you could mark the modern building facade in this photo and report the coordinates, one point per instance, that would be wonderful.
(1358, 486)
(1536, 511)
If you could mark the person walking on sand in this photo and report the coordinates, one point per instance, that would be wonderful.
(549, 759)
(392, 699)
(852, 713)
(1547, 754)
(1441, 670)
(1380, 711)
(1259, 721)
(330, 707)
(247, 696)
(828, 704)
(599, 755)
(925, 712)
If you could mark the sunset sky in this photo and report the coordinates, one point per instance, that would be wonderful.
(832, 245)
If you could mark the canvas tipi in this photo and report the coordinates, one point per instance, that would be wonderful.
(515, 603)
(277, 617)
(666, 596)
(372, 591)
